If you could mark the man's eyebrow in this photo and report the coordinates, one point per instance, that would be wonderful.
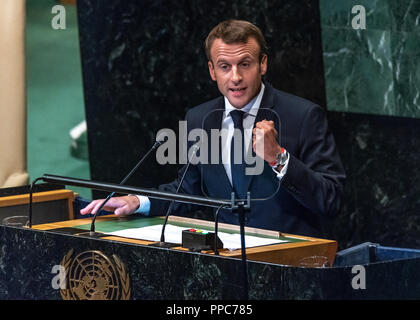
(246, 58)
(222, 61)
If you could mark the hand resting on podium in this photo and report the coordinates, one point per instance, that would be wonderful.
(121, 206)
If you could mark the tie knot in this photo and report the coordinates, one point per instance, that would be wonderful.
(237, 117)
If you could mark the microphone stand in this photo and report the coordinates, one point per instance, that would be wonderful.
(162, 242)
(241, 208)
(216, 228)
(31, 191)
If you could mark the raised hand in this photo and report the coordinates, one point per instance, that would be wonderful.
(264, 132)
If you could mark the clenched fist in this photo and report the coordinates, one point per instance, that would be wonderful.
(264, 134)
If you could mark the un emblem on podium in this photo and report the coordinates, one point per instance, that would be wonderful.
(91, 275)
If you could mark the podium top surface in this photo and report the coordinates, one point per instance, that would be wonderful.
(296, 250)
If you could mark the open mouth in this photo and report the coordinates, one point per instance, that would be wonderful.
(237, 92)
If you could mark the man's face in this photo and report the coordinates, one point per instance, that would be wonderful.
(237, 70)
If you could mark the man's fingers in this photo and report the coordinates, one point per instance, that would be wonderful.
(259, 133)
(266, 129)
(268, 122)
(265, 126)
(97, 206)
(122, 210)
(118, 205)
(265, 123)
(89, 207)
(111, 205)
(94, 206)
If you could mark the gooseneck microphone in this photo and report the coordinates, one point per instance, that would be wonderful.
(162, 243)
(92, 232)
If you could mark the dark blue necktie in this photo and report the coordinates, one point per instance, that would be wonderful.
(238, 169)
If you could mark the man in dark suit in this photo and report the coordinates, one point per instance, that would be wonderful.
(301, 186)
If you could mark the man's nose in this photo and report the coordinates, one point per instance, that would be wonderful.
(236, 75)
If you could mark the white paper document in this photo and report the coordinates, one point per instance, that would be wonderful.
(173, 234)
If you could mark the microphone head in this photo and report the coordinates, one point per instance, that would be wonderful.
(195, 148)
(192, 152)
(159, 139)
(160, 136)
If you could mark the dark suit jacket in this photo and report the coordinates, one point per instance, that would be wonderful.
(309, 194)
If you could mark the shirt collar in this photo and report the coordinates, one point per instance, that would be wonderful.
(251, 107)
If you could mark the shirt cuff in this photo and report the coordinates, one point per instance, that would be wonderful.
(283, 171)
(144, 207)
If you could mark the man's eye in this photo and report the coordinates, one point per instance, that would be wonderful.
(245, 64)
(224, 67)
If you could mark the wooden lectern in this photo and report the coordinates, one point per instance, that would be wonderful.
(295, 251)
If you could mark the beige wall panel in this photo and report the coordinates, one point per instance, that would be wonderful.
(13, 166)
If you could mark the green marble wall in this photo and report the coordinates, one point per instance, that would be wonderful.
(375, 70)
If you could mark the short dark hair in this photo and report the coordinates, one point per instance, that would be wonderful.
(235, 31)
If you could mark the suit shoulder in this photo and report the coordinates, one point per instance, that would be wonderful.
(293, 102)
(295, 109)
(204, 108)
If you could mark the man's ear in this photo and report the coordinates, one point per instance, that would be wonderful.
(211, 70)
(263, 64)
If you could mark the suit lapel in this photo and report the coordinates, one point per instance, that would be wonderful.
(217, 172)
(265, 111)
(267, 104)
